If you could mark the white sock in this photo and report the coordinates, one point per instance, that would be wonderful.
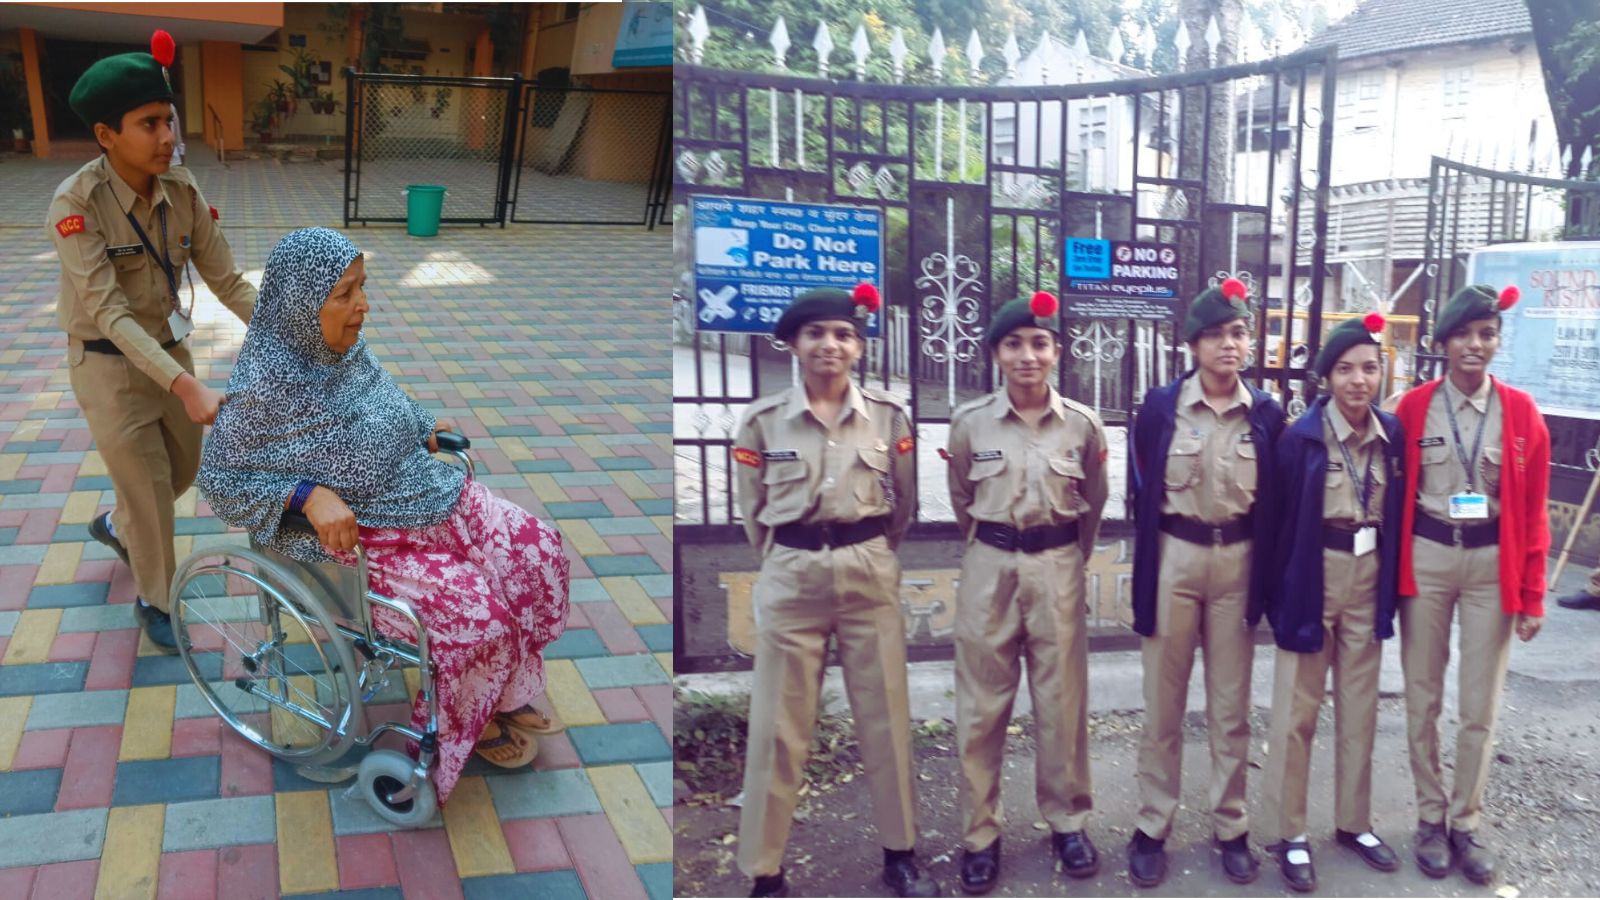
(141, 602)
(1368, 839)
(110, 525)
(1298, 857)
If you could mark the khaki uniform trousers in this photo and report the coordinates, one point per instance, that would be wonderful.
(1349, 614)
(1202, 596)
(151, 451)
(1450, 579)
(801, 598)
(1012, 605)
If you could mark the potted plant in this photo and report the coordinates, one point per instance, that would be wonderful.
(300, 74)
(441, 100)
(261, 119)
(278, 94)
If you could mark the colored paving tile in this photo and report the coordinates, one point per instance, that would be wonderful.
(116, 777)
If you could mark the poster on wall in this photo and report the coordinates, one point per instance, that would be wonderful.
(752, 257)
(645, 36)
(1549, 341)
(1119, 279)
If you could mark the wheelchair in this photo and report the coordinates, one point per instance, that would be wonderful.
(287, 654)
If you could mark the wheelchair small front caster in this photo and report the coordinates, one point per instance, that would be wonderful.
(385, 773)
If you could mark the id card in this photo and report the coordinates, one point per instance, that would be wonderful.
(1366, 541)
(1469, 506)
(180, 326)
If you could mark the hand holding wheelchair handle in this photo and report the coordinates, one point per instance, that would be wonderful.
(334, 523)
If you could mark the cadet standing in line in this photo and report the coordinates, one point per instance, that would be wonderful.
(826, 486)
(1202, 479)
(125, 226)
(1028, 483)
(1473, 542)
(1339, 491)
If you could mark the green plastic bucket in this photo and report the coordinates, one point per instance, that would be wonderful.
(424, 205)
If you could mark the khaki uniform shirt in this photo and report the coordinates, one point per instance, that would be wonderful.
(1211, 465)
(1441, 471)
(792, 467)
(1004, 470)
(1341, 488)
(109, 290)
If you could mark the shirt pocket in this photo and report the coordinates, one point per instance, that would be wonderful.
(1064, 483)
(784, 491)
(1489, 470)
(867, 478)
(1183, 463)
(1244, 468)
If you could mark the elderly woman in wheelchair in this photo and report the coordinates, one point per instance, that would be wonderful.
(367, 554)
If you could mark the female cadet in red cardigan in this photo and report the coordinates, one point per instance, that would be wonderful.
(1478, 457)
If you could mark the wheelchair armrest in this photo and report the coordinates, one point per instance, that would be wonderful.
(450, 442)
(297, 522)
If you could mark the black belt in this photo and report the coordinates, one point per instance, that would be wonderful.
(101, 345)
(1197, 532)
(830, 534)
(1451, 534)
(1027, 540)
(1336, 538)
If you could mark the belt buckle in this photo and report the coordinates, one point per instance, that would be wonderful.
(1216, 535)
(1456, 535)
(1028, 544)
(825, 535)
(1007, 535)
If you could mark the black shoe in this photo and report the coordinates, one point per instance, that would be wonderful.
(1300, 877)
(1147, 860)
(157, 627)
(1076, 852)
(770, 886)
(900, 873)
(980, 869)
(1579, 600)
(1238, 863)
(1380, 857)
(1432, 849)
(1475, 860)
(100, 530)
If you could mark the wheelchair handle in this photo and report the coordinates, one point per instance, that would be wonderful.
(450, 442)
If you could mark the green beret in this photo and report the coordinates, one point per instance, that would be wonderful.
(1215, 306)
(828, 303)
(1350, 333)
(116, 84)
(1038, 311)
(1471, 303)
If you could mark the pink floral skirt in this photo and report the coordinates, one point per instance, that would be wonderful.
(490, 584)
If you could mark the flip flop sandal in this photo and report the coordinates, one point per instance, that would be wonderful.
(548, 724)
(530, 749)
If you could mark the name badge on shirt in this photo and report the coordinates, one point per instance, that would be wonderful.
(780, 455)
(1335, 466)
(982, 455)
(1469, 506)
(180, 326)
(1366, 541)
(130, 250)
(1436, 441)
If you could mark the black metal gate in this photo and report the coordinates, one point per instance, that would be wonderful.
(591, 156)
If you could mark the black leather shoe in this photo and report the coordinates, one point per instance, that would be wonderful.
(1298, 876)
(100, 530)
(1432, 849)
(900, 873)
(1147, 860)
(980, 869)
(1238, 863)
(157, 627)
(1381, 857)
(1579, 600)
(1475, 860)
(1076, 852)
(770, 886)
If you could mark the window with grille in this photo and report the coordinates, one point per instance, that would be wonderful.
(1359, 99)
(1457, 87)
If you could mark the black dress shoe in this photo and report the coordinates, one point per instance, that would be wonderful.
(1380, 857)
(1298, 876)
(1432, 849)
(1147, 860)
(1238, 863)
(900, 873)
(980, 869)
(100, 530)
(1579, 600)
(770, 886)
(157, 627)
(1076, 852)
(1475, 860)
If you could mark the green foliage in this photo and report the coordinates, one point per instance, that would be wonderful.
(300, 73)
(14, 109)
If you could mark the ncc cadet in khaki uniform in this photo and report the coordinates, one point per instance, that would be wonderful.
(1332, 597)
(1473, 545)
(826, 484)
(1202, 470)
(1028, 483)
(125, 226)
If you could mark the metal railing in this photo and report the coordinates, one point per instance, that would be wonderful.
(221, 142)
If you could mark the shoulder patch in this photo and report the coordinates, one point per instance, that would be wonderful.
(904, 445)
(214, 214)
(746, 456)
(69, 226)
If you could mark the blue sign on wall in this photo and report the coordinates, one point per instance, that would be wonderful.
(645, 36)
(752, 257)
(1549, 341)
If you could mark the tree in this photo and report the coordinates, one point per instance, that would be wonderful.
(1567, 33)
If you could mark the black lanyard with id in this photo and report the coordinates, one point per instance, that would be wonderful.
(1469, 504)
(178, 321)
(1366, 537)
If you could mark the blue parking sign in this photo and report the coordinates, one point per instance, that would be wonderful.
(1088, 258)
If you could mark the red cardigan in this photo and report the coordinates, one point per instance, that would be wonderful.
(1524, 487)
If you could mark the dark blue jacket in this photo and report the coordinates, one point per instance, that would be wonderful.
(1294, 603)
(1152, 437)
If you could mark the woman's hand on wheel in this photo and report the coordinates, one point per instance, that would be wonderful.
(335, 523)
(438, 426)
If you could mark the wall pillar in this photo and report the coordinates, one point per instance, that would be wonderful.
(35, 79)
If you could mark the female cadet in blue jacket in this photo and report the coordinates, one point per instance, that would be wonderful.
(1332, 594)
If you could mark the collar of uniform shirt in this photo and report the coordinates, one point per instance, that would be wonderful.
(1479, 399)
(126, 196)
(799, 405)
(1342, 429)
(1056, 405)
(1192, 394)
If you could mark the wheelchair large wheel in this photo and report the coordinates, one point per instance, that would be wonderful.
(265, 654)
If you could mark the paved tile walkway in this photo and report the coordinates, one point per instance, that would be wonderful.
(547, 346)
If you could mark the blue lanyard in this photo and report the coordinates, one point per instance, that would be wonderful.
(165, 257)
(1477, 443)
(1363, 493)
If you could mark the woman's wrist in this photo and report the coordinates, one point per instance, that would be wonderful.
(302, 493)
